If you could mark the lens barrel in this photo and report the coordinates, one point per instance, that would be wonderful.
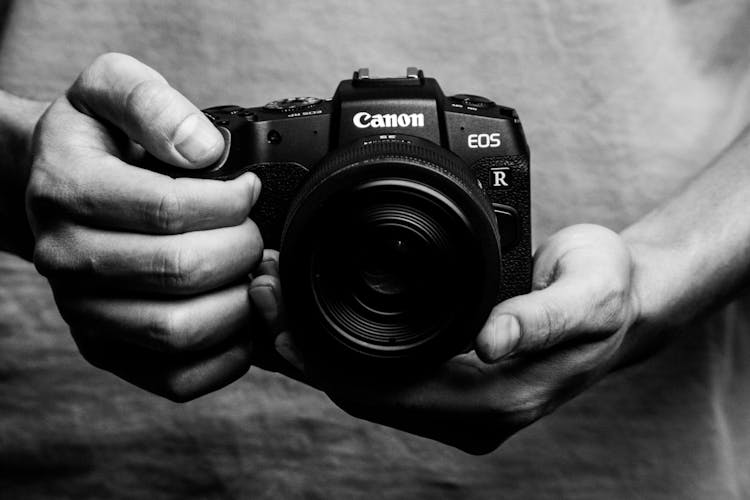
(390, 255)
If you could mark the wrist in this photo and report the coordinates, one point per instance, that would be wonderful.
(18, 117)
(656, 304)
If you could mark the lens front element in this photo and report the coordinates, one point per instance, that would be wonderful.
(384, 270)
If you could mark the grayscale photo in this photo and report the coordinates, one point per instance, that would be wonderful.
(374, 249)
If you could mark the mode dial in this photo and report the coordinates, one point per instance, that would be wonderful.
(475, 101)
(292, 104)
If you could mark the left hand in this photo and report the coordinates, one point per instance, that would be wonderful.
(535, 351)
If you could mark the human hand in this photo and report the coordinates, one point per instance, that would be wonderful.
(535, 352)
(150, 272)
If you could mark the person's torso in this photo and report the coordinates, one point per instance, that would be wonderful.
(622, 104)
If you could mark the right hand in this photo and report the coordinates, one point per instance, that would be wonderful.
(150, 272)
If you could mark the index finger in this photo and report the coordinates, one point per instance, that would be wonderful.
(76, 174)
(137, 99)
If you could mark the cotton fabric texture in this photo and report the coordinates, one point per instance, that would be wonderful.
(622, 103)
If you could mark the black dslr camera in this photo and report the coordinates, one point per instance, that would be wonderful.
(402, 215)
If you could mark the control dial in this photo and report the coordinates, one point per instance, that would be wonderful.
(475, 101)
(292, 104)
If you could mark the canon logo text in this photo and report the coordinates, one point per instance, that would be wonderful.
(366, 120)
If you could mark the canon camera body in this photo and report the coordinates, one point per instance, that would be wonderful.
(402, 215)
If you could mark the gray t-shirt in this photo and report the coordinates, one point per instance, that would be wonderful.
(622, 103)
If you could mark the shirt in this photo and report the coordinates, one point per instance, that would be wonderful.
(622, 103)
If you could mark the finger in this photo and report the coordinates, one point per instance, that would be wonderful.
(587, 300)
(160, 324)
(269, 264)
(265, 292)
(279, 352)
(275, 349)
(178, 377)
(137, 100)
(74, 176)
(454, 404)
(471, 405)
(176, 264)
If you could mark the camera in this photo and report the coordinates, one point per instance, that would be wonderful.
(402, 216)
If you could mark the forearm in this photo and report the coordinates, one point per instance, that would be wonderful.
(17, 120)
(693, 252)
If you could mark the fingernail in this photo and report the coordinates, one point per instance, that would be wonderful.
(264, 298)
(507, 334)
(272, 265)
(197, 140)
(256, 185)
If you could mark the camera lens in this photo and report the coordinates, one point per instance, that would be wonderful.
(385, 266)
(390, 251)
(389, 266)
(382, 275)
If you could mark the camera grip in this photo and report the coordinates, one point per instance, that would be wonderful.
(279, 180)
(280, 183)
(517, 260)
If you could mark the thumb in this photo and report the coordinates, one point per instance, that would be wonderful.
(531, 322)
(136, 99)
(588, 298)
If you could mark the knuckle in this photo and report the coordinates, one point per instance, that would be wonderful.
(148, 98)
(49, 256)
(161, 328)
(109, 62)
(167, 215)
(43, 192)
(96, 81)
(102, 66)
(181, 269)
(60, 253)
(169, 330)
(168, 268)
(37, 189)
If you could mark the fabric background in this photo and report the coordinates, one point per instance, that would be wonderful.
(622, 103)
